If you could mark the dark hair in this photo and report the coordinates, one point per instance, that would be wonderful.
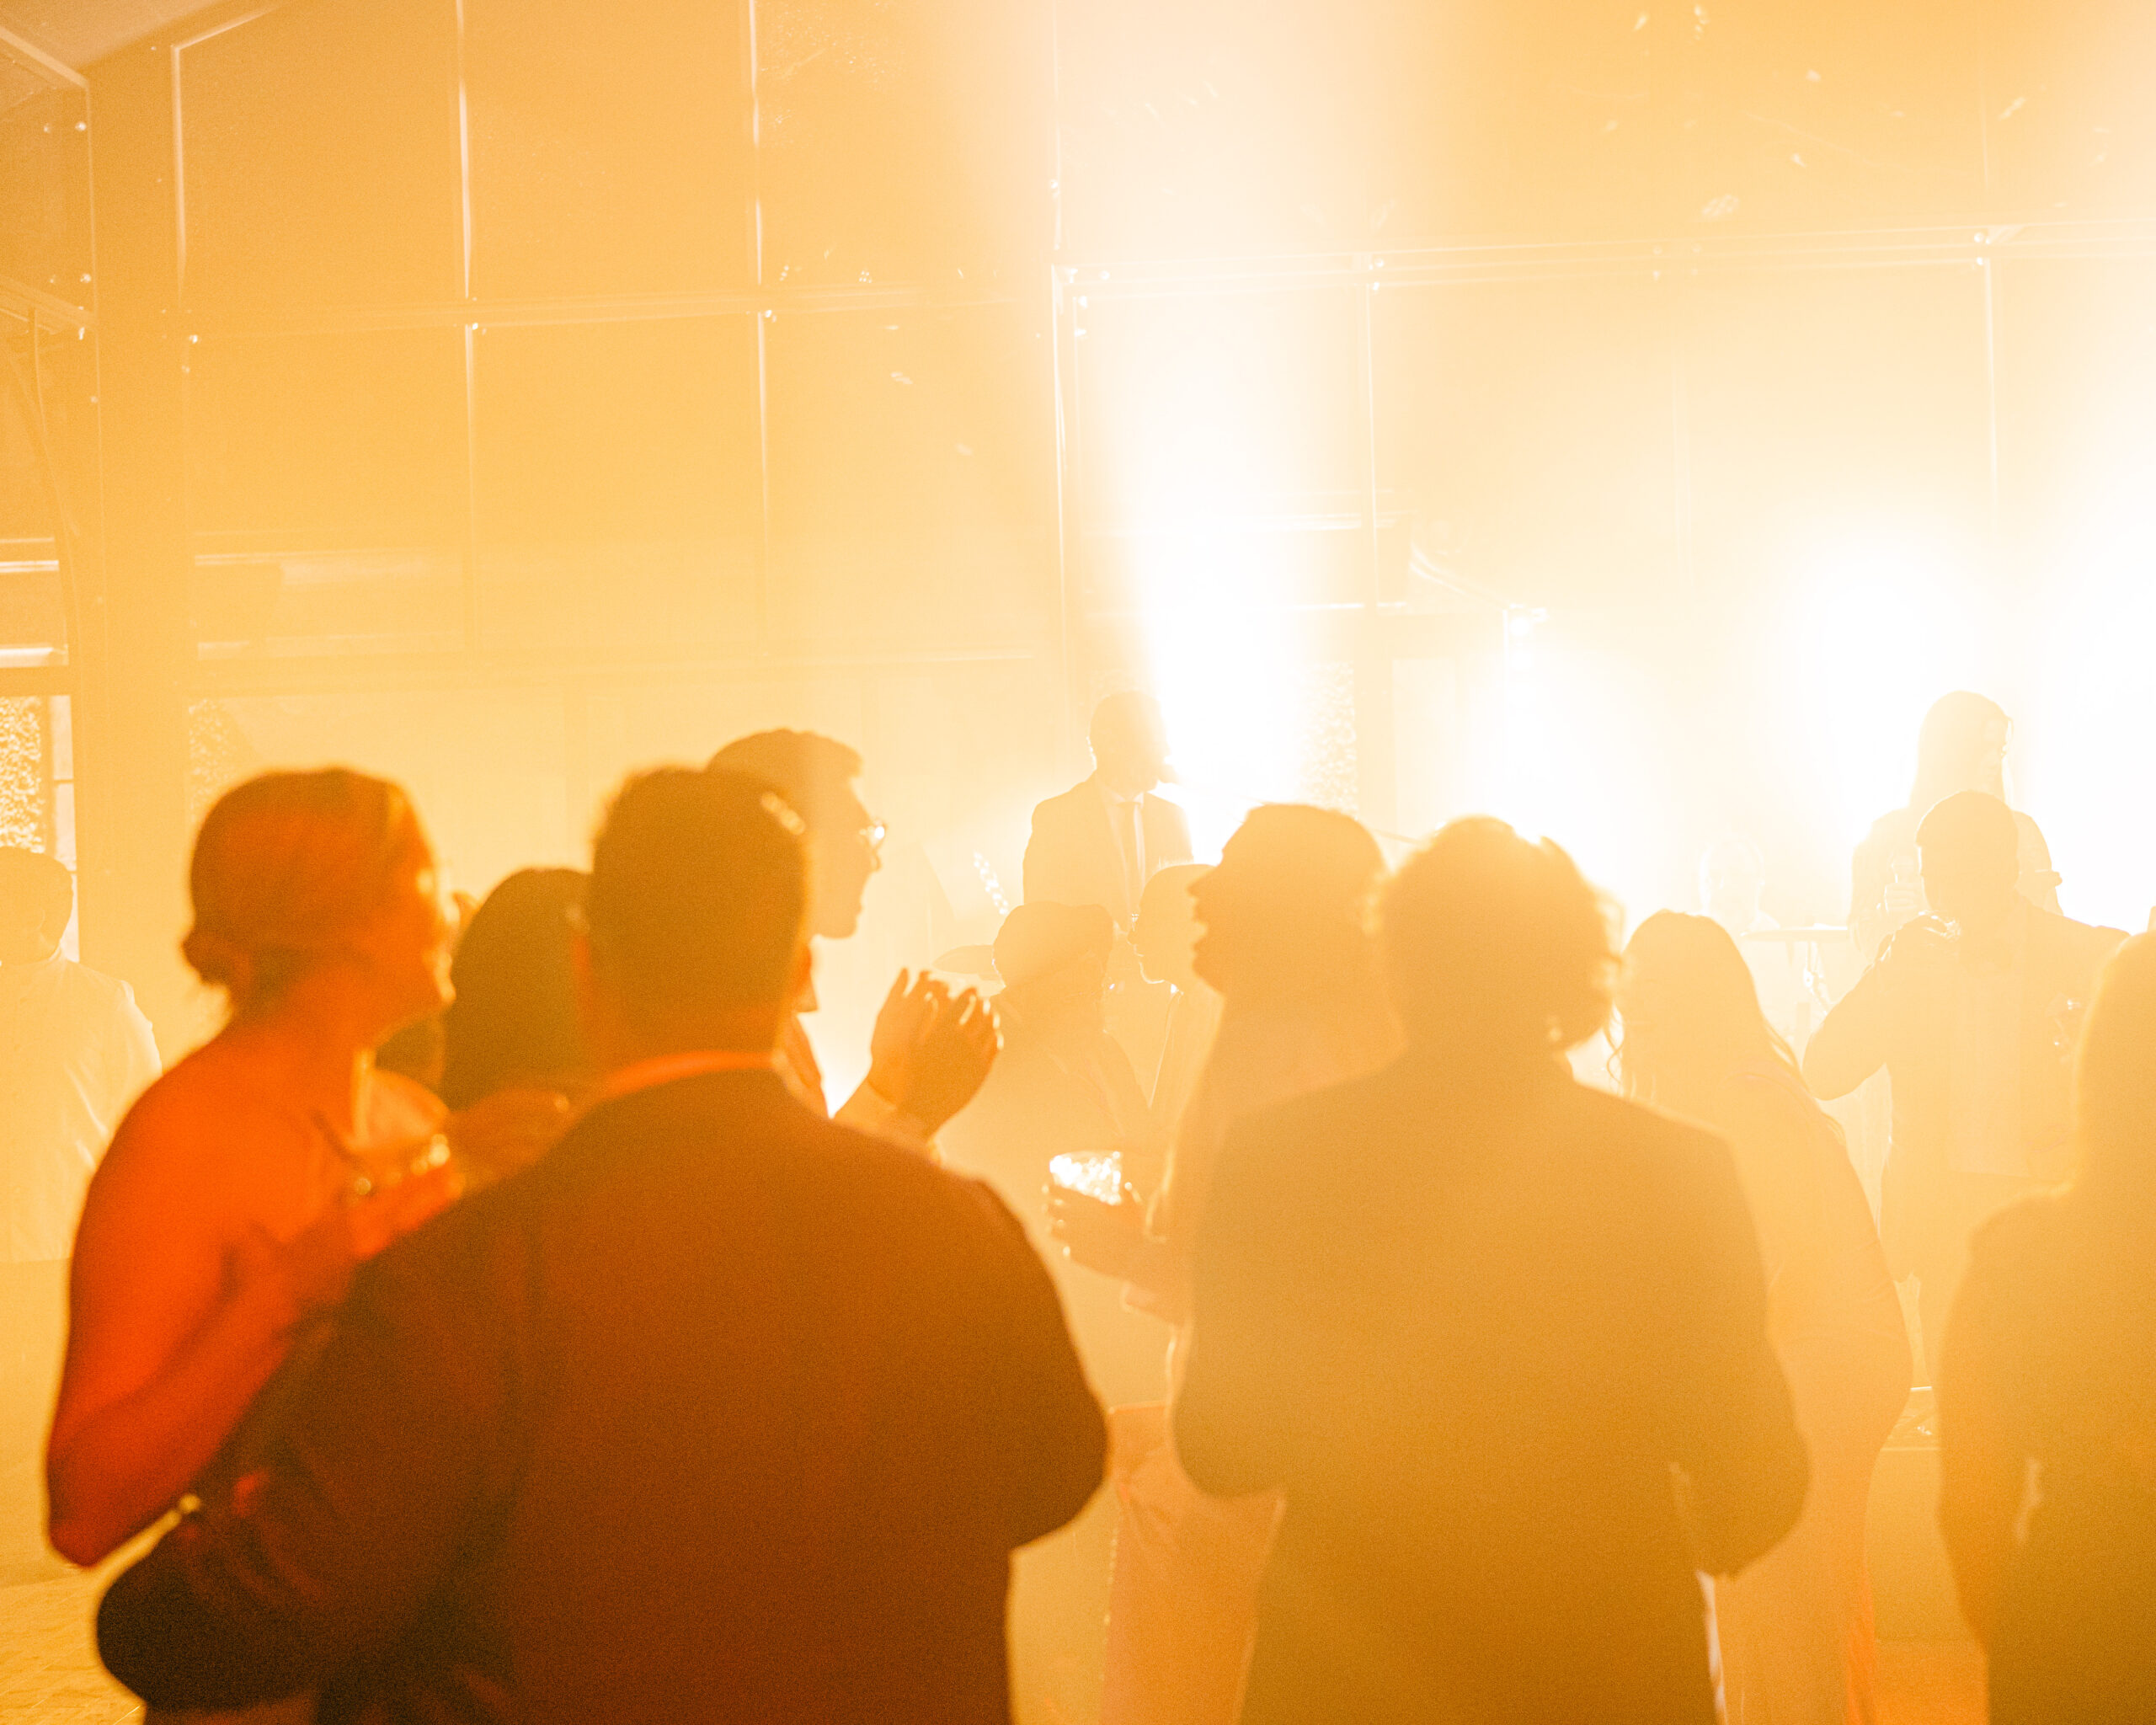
(814, 773)
(1037, 939)
(514, 1018)
(2115, 1087)
(1705, 1002)
(697, 894)
(1491, 939)
(1127, 716)
(1975, 826)
(32, 874)
(286, 865)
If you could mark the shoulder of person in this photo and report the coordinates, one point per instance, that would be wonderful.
(1644, 1136)
(193, 1135)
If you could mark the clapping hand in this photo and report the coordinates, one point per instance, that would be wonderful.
(932, 1050)
(508, 1131)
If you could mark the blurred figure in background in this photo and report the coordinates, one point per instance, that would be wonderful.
(224, 1218)
(2050, 1383)
(1165, 939)
(1468, 1315)
(1961, 747)
(721, 1412)
(75, 1050)
(928, 1052)
(1972, 1011)
(1100, 841)
(1285, 940)
(1797, 1644)
(512, 1021)
(1732, 878)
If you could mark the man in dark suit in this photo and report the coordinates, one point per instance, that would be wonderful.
(1100, 841)
(1974, 1011)
(1501, 1339)
(721, 1411)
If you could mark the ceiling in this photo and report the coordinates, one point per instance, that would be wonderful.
(78, 32)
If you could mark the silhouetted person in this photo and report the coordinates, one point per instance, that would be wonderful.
(2050, 1368)
(721, 1411)
(1165, 939)
(1796, 1629)
(512, 1021)
(928, 1052)
(1972, 1011)
(1469, 1315)
(1100, 841)
(75, 1050)
(1961, 747)
(1285, 921)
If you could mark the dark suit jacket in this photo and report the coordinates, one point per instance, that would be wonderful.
(1072, 857)
(721, 1412)
(1911, 1032)
(1471, 1329)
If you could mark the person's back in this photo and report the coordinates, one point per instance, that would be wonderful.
(1504, 1323)
(1470, 1316)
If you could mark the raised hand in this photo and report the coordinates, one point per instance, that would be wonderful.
(931, 1051)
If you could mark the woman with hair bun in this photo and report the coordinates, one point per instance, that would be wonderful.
(244, 1187)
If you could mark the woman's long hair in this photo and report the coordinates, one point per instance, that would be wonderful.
(1689, 1009)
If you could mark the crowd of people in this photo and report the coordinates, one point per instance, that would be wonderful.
(495, 1319)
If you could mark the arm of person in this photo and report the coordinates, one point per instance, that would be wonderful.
(1983, 1474)
(1851, 1042)
(1743, 1466)
(1232, 1414)
(329, 1550)
(179, 1311)
(1046, 1436)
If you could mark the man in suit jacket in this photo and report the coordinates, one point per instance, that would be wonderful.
(1100, 841)
(1501, 1339)
(1974, 1012)
(721, 1411)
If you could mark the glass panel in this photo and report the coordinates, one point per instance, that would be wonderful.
(610, 146)
(908, 139)
(2069, 122)
(44, 183)
(33, 620)
(320, 157)
(619, 498)
(37, 781)
(326, 484)
(912, 477)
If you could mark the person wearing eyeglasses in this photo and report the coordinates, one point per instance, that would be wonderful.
(931, 1051)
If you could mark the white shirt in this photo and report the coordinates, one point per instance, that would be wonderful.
(75, 1052)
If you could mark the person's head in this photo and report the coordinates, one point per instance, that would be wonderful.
(37, 896)
(1288, 908)
(1053, 961)
(2114, 1086)
(817, 774)
(1689, 1007)
(513, 1022)
(1960, 746)
(319, 884)
(1732, 874)
(1130, 743)
(1495, 945)
(1166, 932)
(1969, 848)
(694, 917)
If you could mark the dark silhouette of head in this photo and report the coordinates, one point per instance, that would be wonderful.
(513, 1022)
(1688, 1010)
(1287, 912)
(2115, 1089)
(818, 775)
(1053, 961)
(1495, 946)
(1130, 743)
(1969, 847)
(1166, 933)
(695, 916)
(299, 873)
(1961, 746)
(37, 896)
